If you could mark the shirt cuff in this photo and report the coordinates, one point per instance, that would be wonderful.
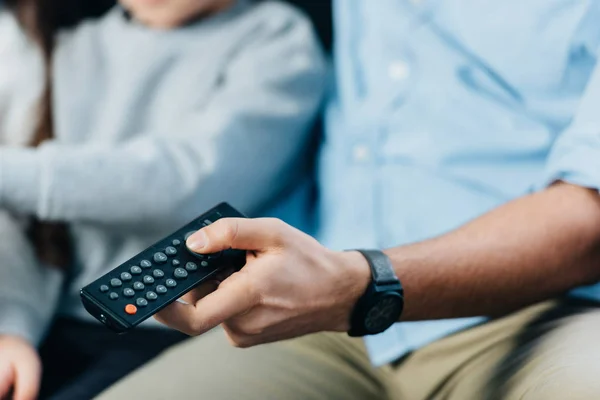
(20, 179)
(578, 166)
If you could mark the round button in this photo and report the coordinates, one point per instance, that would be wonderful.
(160, 289)
(158, 273)
(126, 276)
(176, 242)
(175, 263)
(204, 264)
(128, 292)
(130, 309)
(113, 296)
(145, 264)
(139, 286)
(180, 273)
(104, 288)
(148, 280)
(115, 282)
(171, 251)
(135, 270)
(190, 233)
(151, 296)
(191, 266)
(160, 258)
(171, 283)
(141, 302)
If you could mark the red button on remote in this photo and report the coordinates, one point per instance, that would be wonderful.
(130, 309)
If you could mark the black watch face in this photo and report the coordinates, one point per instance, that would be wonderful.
(384, 313)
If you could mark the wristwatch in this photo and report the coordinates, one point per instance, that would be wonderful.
(382, 303)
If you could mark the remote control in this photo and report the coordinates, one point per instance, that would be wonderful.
(158, 276)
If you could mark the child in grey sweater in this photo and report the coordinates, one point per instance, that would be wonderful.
(161, 110)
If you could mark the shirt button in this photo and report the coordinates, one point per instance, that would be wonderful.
(398, 70)
(361, 153)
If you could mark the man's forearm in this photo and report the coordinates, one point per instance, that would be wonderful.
(526, 251)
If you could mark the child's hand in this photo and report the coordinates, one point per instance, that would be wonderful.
(20, 369)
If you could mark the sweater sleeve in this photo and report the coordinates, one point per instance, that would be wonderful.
(29, 292)
(253, 133)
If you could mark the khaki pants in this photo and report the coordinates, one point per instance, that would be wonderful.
(548, 351)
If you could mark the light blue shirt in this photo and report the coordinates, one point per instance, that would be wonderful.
(444, 110)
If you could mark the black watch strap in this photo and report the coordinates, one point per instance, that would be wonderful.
(384, 280)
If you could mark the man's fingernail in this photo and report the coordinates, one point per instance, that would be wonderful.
(197, 241)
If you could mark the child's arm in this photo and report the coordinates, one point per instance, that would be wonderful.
(28, 291)
(254, 133)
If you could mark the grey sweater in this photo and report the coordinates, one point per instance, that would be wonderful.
(153, 128)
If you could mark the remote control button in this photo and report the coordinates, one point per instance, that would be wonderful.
(207, 222)
(115, 282)
(180, 273)
(138, 286)
(128, 292)
(176, 242)
(158, 273)
(135, 270)
(141, 302)
(126, 277)
(113, 296)
(151, 296)
(175, 262)
(104, 288)
(204, 264)
(171, 283)
(160, 258)
(148, 280)
(145, 264)
(191, 266)
(171, 251)
(187, 235)
(160, 289)
(130, 309)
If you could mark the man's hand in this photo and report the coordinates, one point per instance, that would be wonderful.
(20, 369)
(291, 285)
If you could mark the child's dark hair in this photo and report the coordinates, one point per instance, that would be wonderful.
(41, 20)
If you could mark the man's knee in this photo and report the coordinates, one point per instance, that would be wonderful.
(565, 364)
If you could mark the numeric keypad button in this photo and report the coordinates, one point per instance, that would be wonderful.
(138, 286)
(151, 296)
(116, 282)
(113, 295)
(171, 283)
(145, 264)
(135, 270)
(160, 289)
(158, 273)
(170, 251)
(180, 273)
(148, 280)
(104, 288)
(141, 302)
(126, 277)
(160, 258)
(128, 292)
(191, 266)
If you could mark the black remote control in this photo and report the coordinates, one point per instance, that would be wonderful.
(158, 276)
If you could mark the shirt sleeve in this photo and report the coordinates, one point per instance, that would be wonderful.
(29, 292)
(252, 136)
(575, 156)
